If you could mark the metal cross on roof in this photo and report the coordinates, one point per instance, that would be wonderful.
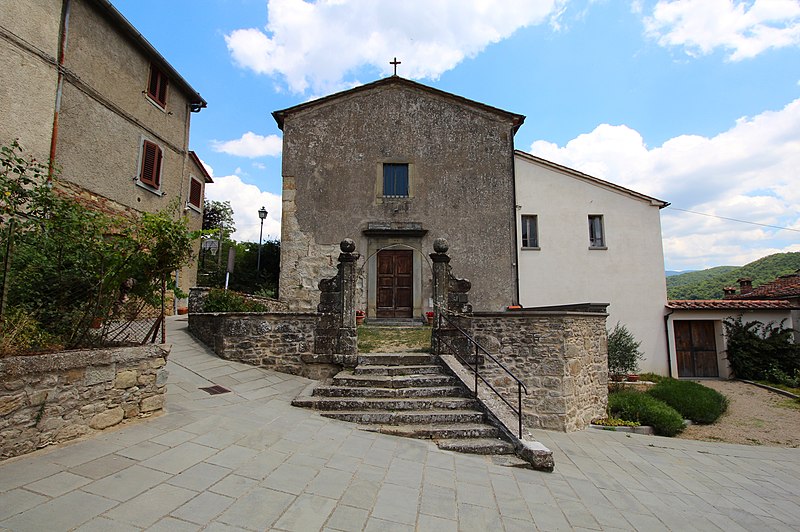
(395, 63)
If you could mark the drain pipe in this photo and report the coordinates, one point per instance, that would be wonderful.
(62, 49)
(669, 350)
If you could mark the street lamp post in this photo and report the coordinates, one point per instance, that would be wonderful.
(262, 213)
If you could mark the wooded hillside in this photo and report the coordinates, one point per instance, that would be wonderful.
(708, 284)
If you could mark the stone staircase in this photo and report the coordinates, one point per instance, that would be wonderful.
(411, 395)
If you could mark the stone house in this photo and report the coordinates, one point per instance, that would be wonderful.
(81, 87)
(582, 239)
(394, 165)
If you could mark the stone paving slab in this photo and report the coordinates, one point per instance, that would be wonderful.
(248, 460)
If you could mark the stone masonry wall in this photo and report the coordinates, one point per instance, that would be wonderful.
(56, 397)
(276, 341)
(561, 357)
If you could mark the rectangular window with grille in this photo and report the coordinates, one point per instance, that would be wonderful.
(597, 237)
(395, 180)
(157, 86)
(150, 171)
(195, 193)
(530, 231)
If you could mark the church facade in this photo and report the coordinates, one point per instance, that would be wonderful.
(394, 165)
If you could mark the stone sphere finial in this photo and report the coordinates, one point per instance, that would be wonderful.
(347, 245)
(440, 245)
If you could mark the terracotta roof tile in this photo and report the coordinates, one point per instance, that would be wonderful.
(728, 304)
(782, 287)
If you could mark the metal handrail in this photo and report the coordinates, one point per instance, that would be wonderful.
(478, 351)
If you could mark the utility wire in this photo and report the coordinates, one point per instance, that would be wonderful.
(734, 219)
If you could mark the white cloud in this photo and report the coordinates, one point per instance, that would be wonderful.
(250, 145)
(246, 200)
(749, 173)
(316, 45)
(744, 29)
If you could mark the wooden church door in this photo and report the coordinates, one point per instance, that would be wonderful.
(395, 284)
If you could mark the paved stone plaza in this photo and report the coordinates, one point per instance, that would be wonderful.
(247, 460)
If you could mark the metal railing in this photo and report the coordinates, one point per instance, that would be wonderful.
(441, 340)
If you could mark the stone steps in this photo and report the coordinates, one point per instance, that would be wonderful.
(410, 395)
(477, 445)
(388, 403)
(389, 381)
(396, 359)
(406, 417)
(419, 391)
(440, 431)
(397, 370)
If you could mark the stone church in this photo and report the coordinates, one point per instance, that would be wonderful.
(395, 165)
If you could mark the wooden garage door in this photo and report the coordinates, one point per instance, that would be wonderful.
(395, 282)
(696, 348)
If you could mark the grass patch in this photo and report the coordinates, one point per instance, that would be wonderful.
(780, 386)
(792, 404)
(692, 400)
(647, 410)
(391, 339)
(652, 377)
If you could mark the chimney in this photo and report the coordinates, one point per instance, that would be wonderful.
(728, 291)
(745, 285)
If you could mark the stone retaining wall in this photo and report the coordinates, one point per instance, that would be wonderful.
(277, 341)
(560, 356)
(56, 397)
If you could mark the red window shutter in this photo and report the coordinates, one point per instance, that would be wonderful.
(157, 86)
(195, 193)
(151, 165)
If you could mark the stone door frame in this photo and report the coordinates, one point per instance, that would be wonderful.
(378, 244)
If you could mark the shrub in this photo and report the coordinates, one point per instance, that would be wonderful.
(20, 333)
(623, 351)
(759, 351)
(692, 400)
(647, 410)
(220, 300)
(651, 377)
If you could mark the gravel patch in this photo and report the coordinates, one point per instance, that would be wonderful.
(755, 416)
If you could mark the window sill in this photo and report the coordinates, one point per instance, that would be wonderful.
(193, 207)
(162, 108)
(148, 188)
(598, 247)
(534, 248)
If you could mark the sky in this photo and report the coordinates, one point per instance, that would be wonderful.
(694, 102)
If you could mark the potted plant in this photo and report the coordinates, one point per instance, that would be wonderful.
(429, 317)
(623, 353)
(360, 315)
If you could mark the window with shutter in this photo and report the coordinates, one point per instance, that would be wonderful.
(597, 236)
(150, 173)
(157, 86)
(195, 193)
(395, 180)
(530, 231)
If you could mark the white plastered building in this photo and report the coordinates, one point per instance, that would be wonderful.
(584, 240)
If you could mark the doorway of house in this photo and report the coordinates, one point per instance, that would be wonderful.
(395, 284)
(696, 348)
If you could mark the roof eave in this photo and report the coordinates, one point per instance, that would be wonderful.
(655, 202)
(516, 119)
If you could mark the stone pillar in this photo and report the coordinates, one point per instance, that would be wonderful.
(348, 336)
(441, 277)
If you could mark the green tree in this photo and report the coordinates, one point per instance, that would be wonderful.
(67, 264)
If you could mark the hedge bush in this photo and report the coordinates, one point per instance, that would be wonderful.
(692, 400)
(647, 410)
(220, 300)
(762, 351)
